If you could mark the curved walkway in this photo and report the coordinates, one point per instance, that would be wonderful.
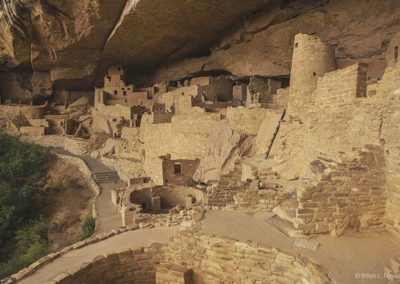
(343, 257)
(108, 217)
(74, 258)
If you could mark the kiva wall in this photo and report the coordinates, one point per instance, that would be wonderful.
(211, 257)
(126, 266)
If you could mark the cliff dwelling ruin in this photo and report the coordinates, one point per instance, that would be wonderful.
(247, 142)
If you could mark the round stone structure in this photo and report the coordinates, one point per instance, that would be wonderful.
(311, 59)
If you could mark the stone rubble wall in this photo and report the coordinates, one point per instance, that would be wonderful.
(350, 193)
(232, 193)
(211, 258)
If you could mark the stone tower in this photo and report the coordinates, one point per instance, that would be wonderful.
(311, 59)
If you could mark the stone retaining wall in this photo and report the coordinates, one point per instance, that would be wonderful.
(194, 258)
(125, 266)
(16, 277)
(222, 260)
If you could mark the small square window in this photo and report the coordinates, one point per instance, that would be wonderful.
(115, 92)
(177, 168)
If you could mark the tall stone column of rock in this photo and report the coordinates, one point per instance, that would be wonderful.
(311, 59)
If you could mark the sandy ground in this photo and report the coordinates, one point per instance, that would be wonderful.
(68, 202)
(342, 257)
(108, 217)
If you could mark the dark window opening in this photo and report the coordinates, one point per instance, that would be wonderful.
(315, 74)
(183, 93)
(396, 53)
(296, 44)
(121, 77)
(155, 90)
(124, 93)
(129, 89)
(285, 82)
(138, 120)
(123, 89)
(115, 92)
(177, 168)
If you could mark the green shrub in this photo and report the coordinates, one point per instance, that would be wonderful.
(87, 227)
(23, 167)
(30, 244)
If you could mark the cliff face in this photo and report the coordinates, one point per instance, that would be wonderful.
(75, 41)
(263, 44)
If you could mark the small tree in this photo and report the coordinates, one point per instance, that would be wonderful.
(87, 228)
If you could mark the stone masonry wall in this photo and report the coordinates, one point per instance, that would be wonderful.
(388, 92)
(341, 118)
(311, 60)
(220, 260)
(185, 137)
(126, 266)
(349, 193)
(247, 120)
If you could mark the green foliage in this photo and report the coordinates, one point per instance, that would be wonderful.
(23, 168)
(87, 227)
(30, 244)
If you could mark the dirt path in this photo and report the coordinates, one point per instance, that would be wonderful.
(74, 258)
(108, 217)
(342, 257)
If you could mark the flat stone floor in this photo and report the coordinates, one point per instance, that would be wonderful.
(343, 257)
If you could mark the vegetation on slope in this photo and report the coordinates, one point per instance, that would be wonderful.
(87, 228)
(23, 235)
(43, 202)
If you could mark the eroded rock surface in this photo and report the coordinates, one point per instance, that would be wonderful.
(77, 41)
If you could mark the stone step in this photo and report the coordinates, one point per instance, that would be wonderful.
(106, 177)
